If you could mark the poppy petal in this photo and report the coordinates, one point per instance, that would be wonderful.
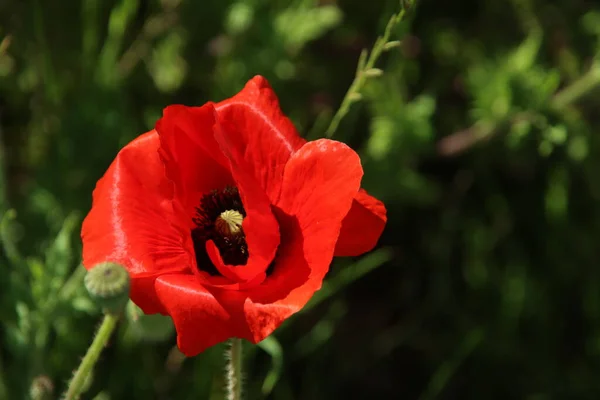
(362, 226)
(260, 226)
(239, 273)
(192, 157)
(200, 319)
(132, 221)
(319, 185)
(264, 135)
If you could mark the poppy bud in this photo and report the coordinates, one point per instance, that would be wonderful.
(108, 285)
(41, 388)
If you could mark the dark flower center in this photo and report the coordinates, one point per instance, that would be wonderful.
(219, 218)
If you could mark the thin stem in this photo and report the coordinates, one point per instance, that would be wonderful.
(91, 357)
(234, 370)
(353, 93)
(586, 83)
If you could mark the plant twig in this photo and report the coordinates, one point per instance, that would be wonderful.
(582, 86)
(462, 140)
(365, 69)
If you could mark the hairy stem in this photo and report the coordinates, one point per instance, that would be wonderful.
(234, 370)
(91, 357)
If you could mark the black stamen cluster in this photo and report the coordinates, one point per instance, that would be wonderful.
(233, 248)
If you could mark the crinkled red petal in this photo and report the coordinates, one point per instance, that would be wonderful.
(202, 317)
(362, 227)
(132, 221)
(319, 185)
(264, 136)
(193, 159)
(244, 274)
(260, 226)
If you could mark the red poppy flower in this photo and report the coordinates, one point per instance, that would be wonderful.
(226, 219)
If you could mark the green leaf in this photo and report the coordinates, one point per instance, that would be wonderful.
(85, 305)
(39, 279)
(7, 236)
(349, 274)
(322, 331)
(167, 66)
(240, 18)
(152, 328)
(272, 347)
(298, 26)
(59, 255)
(524, 56)
(445, 371)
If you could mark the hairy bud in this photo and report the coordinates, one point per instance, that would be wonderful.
(108, 285)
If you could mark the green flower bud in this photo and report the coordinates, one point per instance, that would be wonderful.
(41, 388)
(108, 285)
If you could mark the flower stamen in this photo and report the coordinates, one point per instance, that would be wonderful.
(219, 218)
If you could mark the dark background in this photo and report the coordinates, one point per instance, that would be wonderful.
(481, 136)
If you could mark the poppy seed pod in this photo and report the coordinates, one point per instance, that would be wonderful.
(108, 285)
(41, 388)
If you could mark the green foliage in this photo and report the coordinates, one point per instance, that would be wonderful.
(478, 129)
(298, 26)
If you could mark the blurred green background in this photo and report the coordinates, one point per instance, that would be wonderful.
(482, 137)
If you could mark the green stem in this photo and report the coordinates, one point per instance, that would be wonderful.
(234, 370)
(586, 83)
(353, 93)
(91, 357)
